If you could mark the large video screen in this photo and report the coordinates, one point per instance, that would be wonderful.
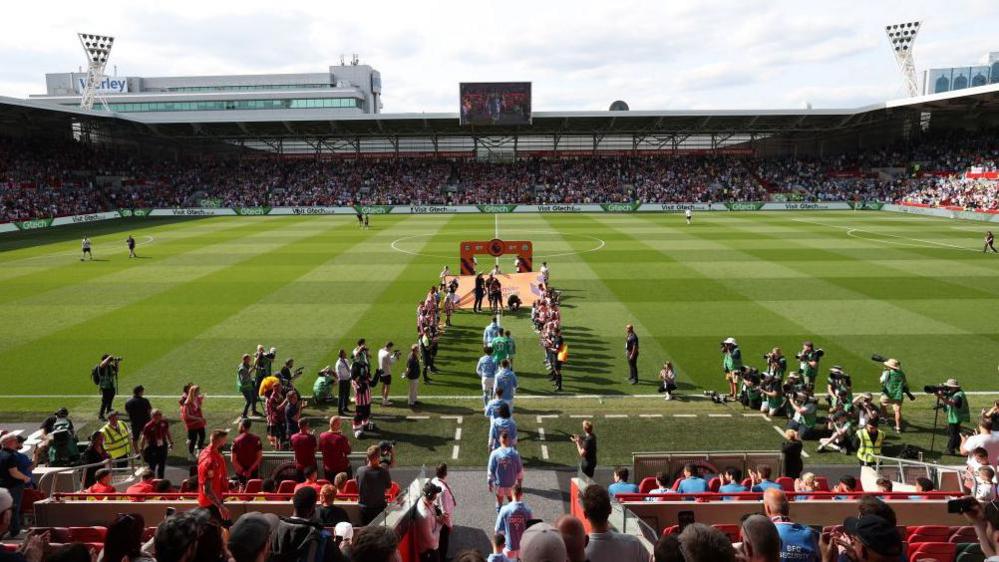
(495, 103)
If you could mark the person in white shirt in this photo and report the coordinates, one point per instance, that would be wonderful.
(689, 214)
(429, 522)
(544, 272)
(342, 368)
(446, 503)
(86, 249)
(386, 358)
(445, 273)
(984, 488)
(984, 439)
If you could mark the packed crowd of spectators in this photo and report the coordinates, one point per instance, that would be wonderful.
(45, 179)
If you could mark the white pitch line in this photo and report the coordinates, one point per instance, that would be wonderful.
(753, 416)
(719, 415)
(457, 434)
(441, 397)
(544, 452)
(650, 415)
(454, 453)
(541, 434)
(417, 417)
(580, 416)
(684, 415)
(615, 415)
(541, 418)
(851, 230)
(459, 419)
(781, 433)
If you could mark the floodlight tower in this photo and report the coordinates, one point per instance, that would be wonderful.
(903, 38)
(98, 49)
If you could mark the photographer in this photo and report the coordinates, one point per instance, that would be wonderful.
(894, 387)
(289, 373)
(773, 395)
(731, 365)
(985, 519)
(586, 448)
(839, 390)
(750, 395)
(842, 433)
(322, 389)
(776, 363)
(955, 405)
(865, 407)
(105, 376)
(387, 356)
(667, 380)
(808, 362)
(805, 414)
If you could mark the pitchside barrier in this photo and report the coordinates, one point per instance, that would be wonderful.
(649, 464)
(945, 212)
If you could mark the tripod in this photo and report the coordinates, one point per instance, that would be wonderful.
(936, 419)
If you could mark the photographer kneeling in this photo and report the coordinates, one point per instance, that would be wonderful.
(805, 416)
(955, 404)
(750, 395)
(773, 396)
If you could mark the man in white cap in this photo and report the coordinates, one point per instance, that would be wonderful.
(343, 534)
(731, 365)
(894, 387)
(955, 404)
(542, 543)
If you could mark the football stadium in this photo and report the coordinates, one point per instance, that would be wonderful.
(257, 317)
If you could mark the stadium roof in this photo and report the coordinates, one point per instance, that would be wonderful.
(238, 126)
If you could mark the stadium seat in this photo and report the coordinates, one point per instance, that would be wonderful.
(939, 551)
(786, 483)
(393, 491)
(148, 533)
(747, 482)
(350, 486)
(929, 533)
(963, 535)
(732, 531)
(286, 487)
(253, 486)
(323, 482)
(647, 484)
(970, 552)
(87, 534)
(9, 547)
(676, 484)
(671, 530)
(822, 484)
(714, 484)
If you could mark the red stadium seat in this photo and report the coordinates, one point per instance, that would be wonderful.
(731, 531)
(671, 530)
(253, 486)
(87, 534)
(714, 484)
(929, 533)
(822, 484)
(647, 484)
(286, 487)
(148, 533)
(786, 483)
(939, 551)
(393, 491)
(963, 535)
(747, 482)
(9, 547)
(350, 486)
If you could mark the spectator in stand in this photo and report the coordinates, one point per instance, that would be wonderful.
(375, 544)
(799, 542)
(298, 537)
(761, 541)
(732, 482)
(511, 521)
(124, 540)
(310, 480)
(251, 536)
(304, 444)
(806, 483)
(662, 486)
(156, 442)
(923, 484)
(871, 505)
(13, 480)
(428, 522)
(883, 484)
(330, 515)
(177, 538)
(846, 484)
(542, 543)
(373, 481)
(213, 476)
(621, 484)
(102, 485)
(605, 544)
(868, 539)
(144, 486)
(574, 536)
(335, 449)
(760, 478)
(985, 438)
(446, 503)
(139, 411)
(692, 483)
(247, 453)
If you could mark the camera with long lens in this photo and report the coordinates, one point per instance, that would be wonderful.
(935, 388)
(816, 355)
(878, 358)
(750, 375)
(715, 397)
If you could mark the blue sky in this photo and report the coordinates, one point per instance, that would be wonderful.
(579, 55)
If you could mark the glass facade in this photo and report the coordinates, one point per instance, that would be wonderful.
(940, 80)
(223, 105)
(248, 88)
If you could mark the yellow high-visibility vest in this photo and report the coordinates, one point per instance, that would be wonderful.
(869, 449)
(117, 440)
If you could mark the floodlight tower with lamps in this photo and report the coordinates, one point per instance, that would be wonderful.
(98, 49)
(903, 38)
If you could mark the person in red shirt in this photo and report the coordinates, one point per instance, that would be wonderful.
(156, 441)
(102, 486)
(335, 448)
(304, 445)
(144, 486)
(213, 475)
(247, 453)
(311, 480)
(194, 420)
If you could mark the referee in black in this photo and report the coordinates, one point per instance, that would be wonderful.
(480, 292)
(989, 242)
(631, 351)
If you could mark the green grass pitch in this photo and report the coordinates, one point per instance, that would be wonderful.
(204, 291)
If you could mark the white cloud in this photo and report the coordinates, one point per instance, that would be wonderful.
(580, 55)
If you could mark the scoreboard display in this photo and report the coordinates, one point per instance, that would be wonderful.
(495, 103)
